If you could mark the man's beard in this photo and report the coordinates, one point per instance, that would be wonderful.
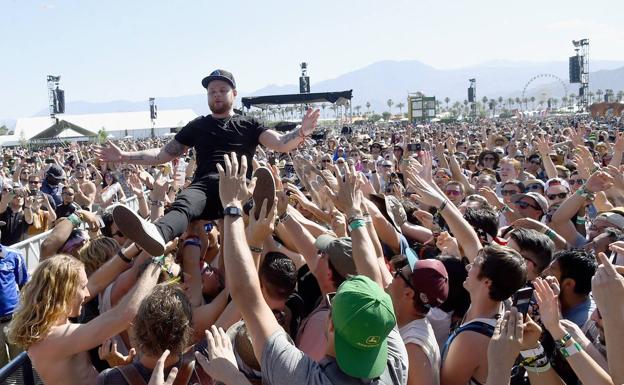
(225, 107)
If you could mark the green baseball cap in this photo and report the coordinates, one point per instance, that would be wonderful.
(363, 316)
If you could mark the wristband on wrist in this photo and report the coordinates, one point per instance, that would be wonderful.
(505, 208)
(538, 369)
(255, 249)
(550, 234)
(571, 350)
(159, 261)
(580, 221)
(356, 224)
(156, 203)
(192, 242)
(75, 220)
(121, 255)
(535, 352)
(584, 192)
(561, 343)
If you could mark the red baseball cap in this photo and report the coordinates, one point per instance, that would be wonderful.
(429, 276)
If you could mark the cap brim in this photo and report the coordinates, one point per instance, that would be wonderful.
(323, 241)
(208, 79)
(361, 363)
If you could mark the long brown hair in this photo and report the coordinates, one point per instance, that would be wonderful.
(44, 299)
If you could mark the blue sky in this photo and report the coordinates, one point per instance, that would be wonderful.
(110, 50)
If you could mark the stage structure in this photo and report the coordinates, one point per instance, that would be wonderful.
(341, 98)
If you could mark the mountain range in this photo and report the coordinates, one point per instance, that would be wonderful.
(383, 80)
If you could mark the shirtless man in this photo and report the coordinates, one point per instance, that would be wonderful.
(58, 288)
(83, 188)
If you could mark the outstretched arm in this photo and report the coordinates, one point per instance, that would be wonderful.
(170, 151)
(290, 140)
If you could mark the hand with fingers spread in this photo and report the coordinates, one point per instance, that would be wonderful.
(348, 199)
(617, 175)
(599, 181)
(109, 153)
(158, 375)
(259, 229)
(548, 302)
(543, 145)
(232, 183)
(108, 352)
(310, 119)
(221, 361)
(135, 184)
(425, 192)
(504, 346)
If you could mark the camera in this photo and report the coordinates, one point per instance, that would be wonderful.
(522, 299)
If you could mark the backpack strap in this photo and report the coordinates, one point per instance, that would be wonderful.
(185, 370)
(476, 326)
(131, 375)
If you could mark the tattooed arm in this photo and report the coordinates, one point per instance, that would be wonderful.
(281, 142)
(170, 151)
(290, 140)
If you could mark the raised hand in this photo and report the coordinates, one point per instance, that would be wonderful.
(259, 229)
(308, 124)
(348, 199)
(608, 289)
(543, 145)
(490, 196)
(220, 364)
(599, 181)
(108, 352)
(424, 192)
(232, 184)
(158, 375)
(110, 153)
(505, 343)
(548, 302)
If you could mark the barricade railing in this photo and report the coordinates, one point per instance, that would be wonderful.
(19, 372)
(31, 247)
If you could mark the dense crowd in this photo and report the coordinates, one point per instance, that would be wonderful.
(483, 252)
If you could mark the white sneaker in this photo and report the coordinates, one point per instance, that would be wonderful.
(144, 233)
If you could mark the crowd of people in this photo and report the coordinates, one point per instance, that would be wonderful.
(485, 252)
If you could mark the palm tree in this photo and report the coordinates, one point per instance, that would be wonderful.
(532, 99)
(564, 100)
(357, 109)
(590, 97)
(609, 95)
(447, 100)
(390, 103)
(510, 103)
(599, 92)
(492, 105)
(400, 107)
(519, 101)
(526, 103)
(620, 96)
(541, 104)
(485, 100)
(323, 106)
(367, 107)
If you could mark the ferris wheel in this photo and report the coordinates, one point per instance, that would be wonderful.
(547, 93)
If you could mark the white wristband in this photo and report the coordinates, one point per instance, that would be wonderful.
(538, 351)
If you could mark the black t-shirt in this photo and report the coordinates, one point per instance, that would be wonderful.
(15, 227)
(213, 138)
(64, 210)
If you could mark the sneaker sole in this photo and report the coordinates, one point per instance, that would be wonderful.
(265, 189)
(131, 226)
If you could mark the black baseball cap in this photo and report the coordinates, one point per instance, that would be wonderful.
(224, 75)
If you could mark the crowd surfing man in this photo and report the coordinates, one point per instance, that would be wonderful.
(212, 136)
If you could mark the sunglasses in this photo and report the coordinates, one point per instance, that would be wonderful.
(68, 194)
(397, 273)
(453, 192)
(535, 187)
(488, 158)
(326, 161)
(523, 205)
(579, 182)
(537, 162)
(508, 192)
(552, 197)
(34, 182)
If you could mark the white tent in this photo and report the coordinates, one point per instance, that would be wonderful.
(119, 124)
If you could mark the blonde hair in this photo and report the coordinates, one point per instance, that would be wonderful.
(97, 252)
(48, 296)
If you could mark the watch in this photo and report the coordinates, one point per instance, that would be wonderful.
(233, 211)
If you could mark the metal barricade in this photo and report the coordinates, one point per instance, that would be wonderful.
(19, 372)
(30, 248)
